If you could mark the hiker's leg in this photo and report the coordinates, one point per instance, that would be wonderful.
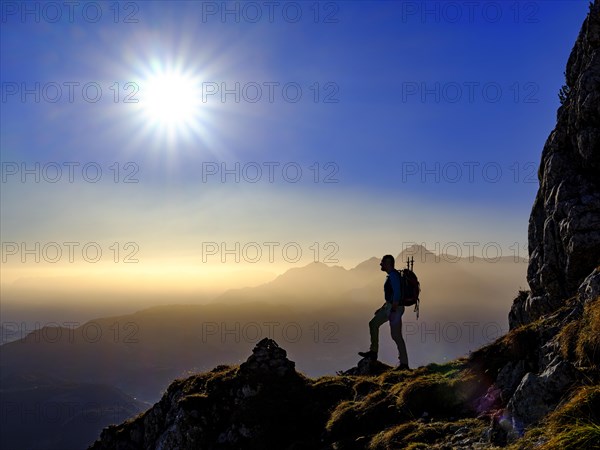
(380, 317)
(396, 329)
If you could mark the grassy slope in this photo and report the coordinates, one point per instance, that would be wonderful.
(437, 405)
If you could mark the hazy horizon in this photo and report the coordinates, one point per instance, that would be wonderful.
(90, 297)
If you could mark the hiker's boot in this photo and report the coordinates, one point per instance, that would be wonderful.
(370, 355)
(402, 366)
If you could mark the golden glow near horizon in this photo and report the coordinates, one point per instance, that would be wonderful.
(188, 250)
(169, 277)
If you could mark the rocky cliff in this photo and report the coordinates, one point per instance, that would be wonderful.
(536, 387)
(564, 226)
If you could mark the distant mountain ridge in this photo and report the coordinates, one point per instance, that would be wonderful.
(317, 280)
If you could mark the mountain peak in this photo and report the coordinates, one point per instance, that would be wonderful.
(416, 251)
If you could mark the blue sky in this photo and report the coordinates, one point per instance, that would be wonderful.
(375, 59)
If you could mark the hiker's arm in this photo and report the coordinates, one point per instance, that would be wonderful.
(395, 280)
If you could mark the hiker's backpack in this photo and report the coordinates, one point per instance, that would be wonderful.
(411, 288)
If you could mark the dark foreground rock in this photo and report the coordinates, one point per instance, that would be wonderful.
(264, 403)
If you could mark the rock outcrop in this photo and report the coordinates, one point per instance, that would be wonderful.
(367, 366)
(264, 403)
(564, 226)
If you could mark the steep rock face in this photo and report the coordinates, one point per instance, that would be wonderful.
(564, 226)
(564, 250)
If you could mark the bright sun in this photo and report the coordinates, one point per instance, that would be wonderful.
(170, 99)
(169, 110)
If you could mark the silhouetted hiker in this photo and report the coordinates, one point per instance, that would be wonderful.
(391, 310)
